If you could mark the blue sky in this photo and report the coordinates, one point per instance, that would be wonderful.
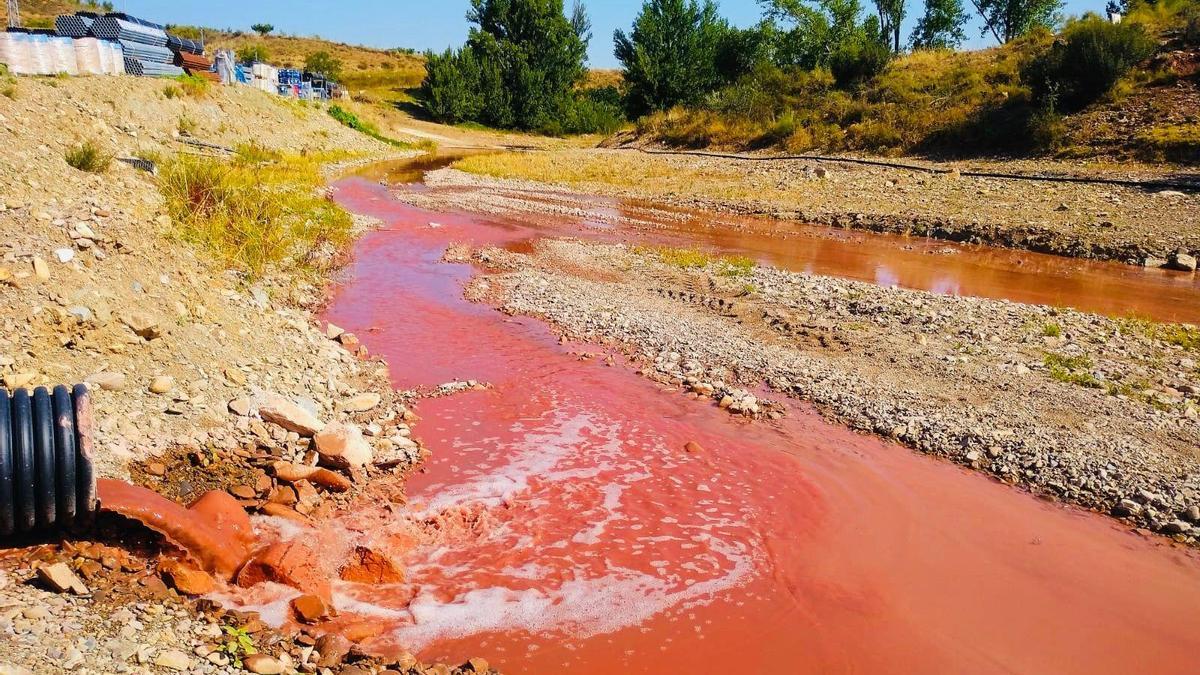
(423, 24)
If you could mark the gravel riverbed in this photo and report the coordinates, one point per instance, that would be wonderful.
(1093, 411)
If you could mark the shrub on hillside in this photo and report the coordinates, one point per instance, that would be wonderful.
(252, 216)
(88, 157)
(854, 63)
(1086, 61)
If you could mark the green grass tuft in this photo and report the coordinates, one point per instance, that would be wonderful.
(88, 157)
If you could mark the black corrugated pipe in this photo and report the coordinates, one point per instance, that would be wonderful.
(46, 472)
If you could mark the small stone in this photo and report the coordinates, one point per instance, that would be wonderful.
(693, 447)
(108, 381)
(333, 649)
(187, 580)
(333, 332)
(156, 469)
(142, 324)
(58, 577)
(343, 446)
(240, 407)
(19, 380)
(1182, 260)
(235, 376)
(243, 492)
(262, 664)
(162, 384)
(290, 416)
(1176, 527)
(310, 609)
(361, 403)
(476, 665)
(173, 659)
(41, 270)
(64, 255)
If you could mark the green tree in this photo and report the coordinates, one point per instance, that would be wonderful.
(519, 69)
(262, 29)
(450, 90)
(817, 28)
(325, 64)
(891, 14)
(1007, 20)
(253, 53)
(669, 57)
(941, 26)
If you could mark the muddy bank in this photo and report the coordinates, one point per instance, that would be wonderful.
(1086, 221)
(1097, 412)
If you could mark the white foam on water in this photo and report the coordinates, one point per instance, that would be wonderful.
(580, 608)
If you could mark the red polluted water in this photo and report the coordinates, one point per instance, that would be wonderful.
(575, 515)
(215, 531)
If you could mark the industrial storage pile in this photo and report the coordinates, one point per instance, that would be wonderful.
(88, 43)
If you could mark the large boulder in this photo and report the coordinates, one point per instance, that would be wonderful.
(1182, 260)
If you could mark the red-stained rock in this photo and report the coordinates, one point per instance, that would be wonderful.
(310, 608)
(289, 563)
(186, 579)
(370, 567)
(286, 512)
(364, 630)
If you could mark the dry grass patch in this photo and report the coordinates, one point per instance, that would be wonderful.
(260, 211)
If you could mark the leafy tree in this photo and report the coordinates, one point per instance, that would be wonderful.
(519, 69)
(817, 29)
(857, 61)
(941, 26)
(262, 29)
(325, 64)
(891, 15)
(741, 51)
(1007, 20)
(1085, 63)
(253, 53)
(450, 90)
(669, 57)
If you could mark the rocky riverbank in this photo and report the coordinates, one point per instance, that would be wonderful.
(202, 378)
(1085, 220)
(1088, 410)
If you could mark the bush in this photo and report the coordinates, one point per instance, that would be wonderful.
(1086, 61)
(854, 63)
(253, 54)
(193, 85)
(254, 216)
(88, 157)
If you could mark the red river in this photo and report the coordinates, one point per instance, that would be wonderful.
(561, 526)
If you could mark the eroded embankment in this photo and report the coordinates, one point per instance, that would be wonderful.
(579, 517)
(1078, 220)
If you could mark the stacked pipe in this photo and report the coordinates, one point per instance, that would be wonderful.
(184, 45)
(144, 44)
(47, 477)
(74, 25)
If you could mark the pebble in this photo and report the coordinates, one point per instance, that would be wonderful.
(162, 384)
(173, 659)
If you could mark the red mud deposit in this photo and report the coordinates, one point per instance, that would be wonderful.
(577, 518)
(215, 531)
